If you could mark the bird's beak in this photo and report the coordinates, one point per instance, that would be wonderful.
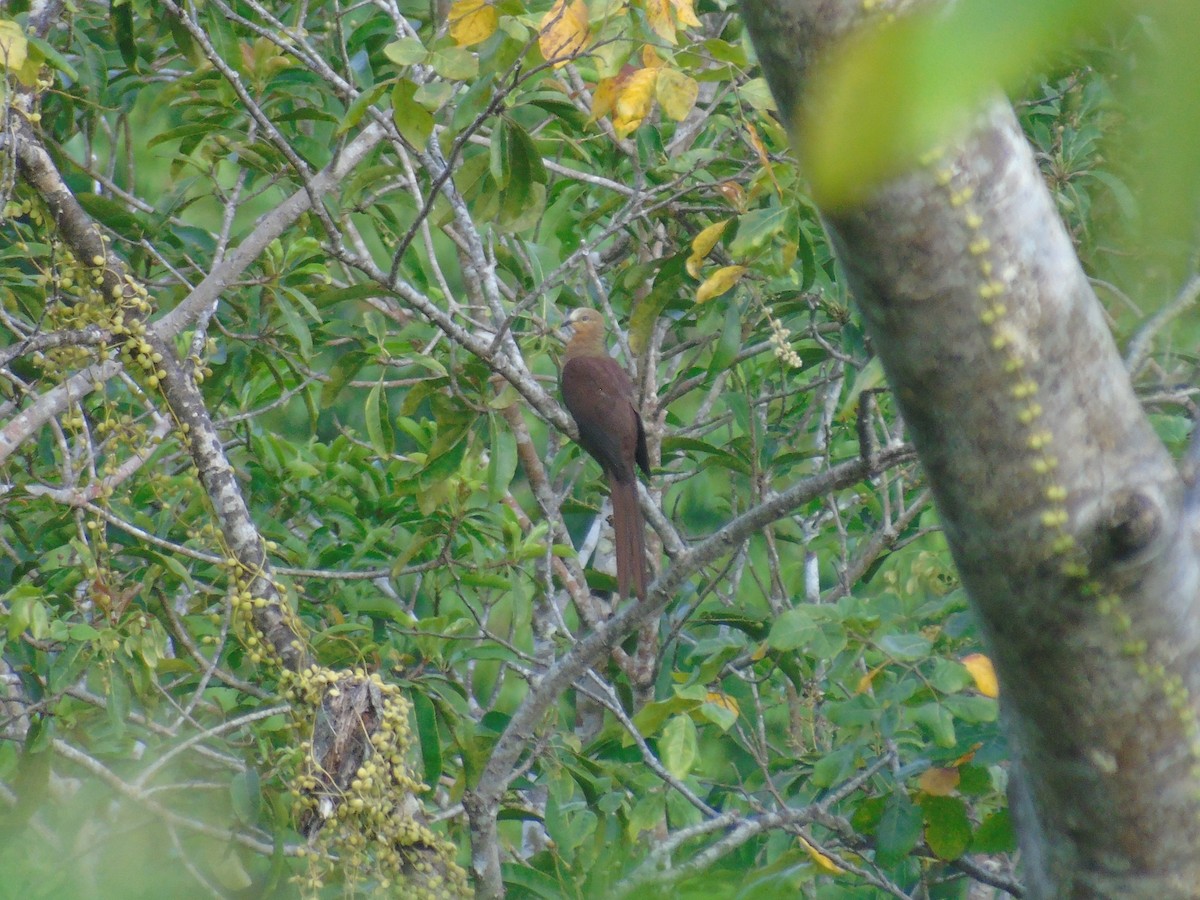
(565, 331)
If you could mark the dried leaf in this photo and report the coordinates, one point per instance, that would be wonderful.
(939, 782)
(734, 194)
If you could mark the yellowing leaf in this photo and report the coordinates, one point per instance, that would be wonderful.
(650, 57)
(719, 282)
(763, 157)
(968, 756)
(864, 683)
(981, 670)
(685, 13)
(939, 782)
(702, 245)
(13, 45)
(823, 862)
(723, 700)
(676, 93)
(564, 31)
(472, 21)
(658, 14)
(604, 97)
(634, 101)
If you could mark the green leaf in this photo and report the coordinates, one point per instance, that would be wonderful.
(427, 734)
(454, 63)
(341, 374)
(834, 766)
(118, 699)
(502, 460)
(937, 719)
(947, 828)
(246, 793)
(55, 59)
(359, 108)
(406, 51)
(112, 213)
(972, 709)
(949, 676)
(532, 881)
(296, 325)
(413, 121)
(379, 427)
(756, 229)
(646, 815)
(995, 834)
(730, 342)
(905, 647)
(792, 630)
(899, 829)
(122, 26)
(678, 747)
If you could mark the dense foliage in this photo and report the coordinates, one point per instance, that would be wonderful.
(376, 350)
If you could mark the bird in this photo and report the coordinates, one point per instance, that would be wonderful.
(600, 398)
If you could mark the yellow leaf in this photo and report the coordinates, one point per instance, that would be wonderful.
(864, 683)
(564, 31)
(13, 45)
(650, 57)
(658, 14)
(981, 670)
(719, 282)
(604, 97)
(939, 782)
(685, 13)
(472, 21)
(823, 862)
(703, 243)
(676, 93)
(634, 101)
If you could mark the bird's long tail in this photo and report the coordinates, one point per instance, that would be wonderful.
(629, 537)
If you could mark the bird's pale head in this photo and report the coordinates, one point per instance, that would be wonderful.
(585, 332)
(584, 318)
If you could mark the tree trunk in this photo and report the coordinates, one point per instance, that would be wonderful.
(1072, 530)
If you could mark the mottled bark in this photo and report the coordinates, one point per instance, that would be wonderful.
(1064, 512)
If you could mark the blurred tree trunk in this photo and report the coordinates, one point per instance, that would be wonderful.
(1072, 529)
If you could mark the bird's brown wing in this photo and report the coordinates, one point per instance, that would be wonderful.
(599, 396)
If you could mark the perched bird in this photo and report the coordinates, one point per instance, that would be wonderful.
(599, 396)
